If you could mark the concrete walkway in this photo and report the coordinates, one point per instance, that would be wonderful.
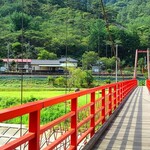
(9, 132)
(131, 128)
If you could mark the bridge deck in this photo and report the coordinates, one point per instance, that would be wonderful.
(131, 128)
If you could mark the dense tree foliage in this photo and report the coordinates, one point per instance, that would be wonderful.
(44, 54)
(46, 29)
(79, 78)
(89, 59)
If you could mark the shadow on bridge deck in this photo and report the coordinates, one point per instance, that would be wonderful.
(131, 128)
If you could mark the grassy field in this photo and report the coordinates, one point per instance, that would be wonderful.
(33, 90)
(12, 98)
(26, 94)
(10, 95)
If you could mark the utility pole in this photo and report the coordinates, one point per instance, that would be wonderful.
(135, 64)
(27, 55)
(8, 52)
(116, 63)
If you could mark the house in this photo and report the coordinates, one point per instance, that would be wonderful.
(52, 65)
(68, 62)
(45, 65)
(17, 64)
(35, 65)
(98, 67)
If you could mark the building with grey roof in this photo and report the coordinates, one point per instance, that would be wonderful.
(35, 65)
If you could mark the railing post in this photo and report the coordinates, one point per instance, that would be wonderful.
(121, 98)
(103, 106)
(74, 123)
(115, 97)
(93, 113)
(34, 126)
(148, 84)
(120, 87)
(123, 94)
(110, 100)
(119, 93)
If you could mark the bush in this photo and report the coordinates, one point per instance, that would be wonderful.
(60, 81)
(6, 103)
(30, 99)
(108, 81)
(89, 78)
(50, 80)
(80, 78)
(109, 71)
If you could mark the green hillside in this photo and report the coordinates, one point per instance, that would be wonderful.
(50, 27)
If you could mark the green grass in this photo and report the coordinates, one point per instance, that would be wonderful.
(12, 98)
(26, 94)
(10, 95)
(33, 90)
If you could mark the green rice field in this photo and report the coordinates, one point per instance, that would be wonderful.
(26, 94)
(33, 90)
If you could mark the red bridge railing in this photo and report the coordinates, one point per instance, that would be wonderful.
(148, 84)
(77, 125)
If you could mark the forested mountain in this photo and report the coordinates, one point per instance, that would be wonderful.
(53, 27)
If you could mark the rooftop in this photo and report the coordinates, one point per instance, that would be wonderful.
(16, 60)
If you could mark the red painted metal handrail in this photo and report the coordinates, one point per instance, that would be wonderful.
(148, 84)
(98, 108)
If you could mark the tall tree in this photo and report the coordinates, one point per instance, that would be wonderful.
(89, 59)
(20, 20)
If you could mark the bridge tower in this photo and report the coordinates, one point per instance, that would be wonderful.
(136, 61)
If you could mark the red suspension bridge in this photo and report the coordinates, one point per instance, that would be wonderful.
(93, 125)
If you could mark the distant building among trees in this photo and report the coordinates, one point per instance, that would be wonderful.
(35, 65)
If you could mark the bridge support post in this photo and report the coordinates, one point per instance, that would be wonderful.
(110, 100)
(74, 123)
(93, 113)
(136, 61)
(103, 106)
(123, 90)
(34, 127)
(121, 95)
(115, 97)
